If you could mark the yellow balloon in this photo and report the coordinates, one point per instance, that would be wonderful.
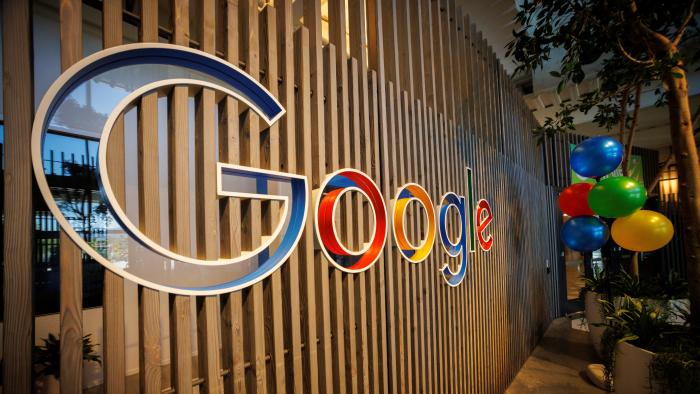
(642, 231)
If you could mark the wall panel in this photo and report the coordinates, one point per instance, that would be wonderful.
(418, 97)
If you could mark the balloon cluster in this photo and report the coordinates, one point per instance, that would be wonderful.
(616, 197)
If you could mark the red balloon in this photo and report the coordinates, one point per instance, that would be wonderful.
(573, 200)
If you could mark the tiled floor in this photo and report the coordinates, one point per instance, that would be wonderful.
(557, 363)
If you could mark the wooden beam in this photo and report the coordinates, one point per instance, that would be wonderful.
(288, 162)
(232, 342)
(149, 215)
(71, 262)
(302, 76)
(251, 210)
(207, 210)
(18, 328)
(114, 362)
(273, 302)
(332, 157)
(179, 182)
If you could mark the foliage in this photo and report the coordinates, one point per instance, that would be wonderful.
(659, 287)
(617, 38)
(621, 283)
(676, 363)
(677, 367)
(47, 358)
(599, 283)
(634, 321)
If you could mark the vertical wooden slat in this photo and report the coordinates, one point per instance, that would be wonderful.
(113, 292)
(207, 211)
(426, 268)
(358, 44)
(390, 44)
(428, 54)
(435, 280)
(317, 266)
(288, 162)
(458, 176)
(332, 158)
(230, 216)
(71, 316)
(355, 221)
(304, 140)
(179, 182)
(436, 13)
(482, 166)
(432, 100)
(448, 70)
(443, 287)
(149, 215)
(273, 302)
(256, 376)
(405, 46)
(407, 55)
(395, 313)
(18, 216)
(375, 35)
(417, 19)
(344, 369)
(365, 286)
(420, 318)
(71, 263)
(468, 78)
(363, 150)
(378, 307)
(408, 279)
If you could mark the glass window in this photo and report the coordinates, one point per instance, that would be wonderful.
(70, 162)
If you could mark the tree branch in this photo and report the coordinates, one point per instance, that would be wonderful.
(633, 128)
(661, 172)
(684, 25)
(647, 62)
(663, 41)
(623, 113)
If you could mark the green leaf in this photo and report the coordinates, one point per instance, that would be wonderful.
(628, 338)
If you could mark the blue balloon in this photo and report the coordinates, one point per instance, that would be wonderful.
(597, 156)
(585, 233)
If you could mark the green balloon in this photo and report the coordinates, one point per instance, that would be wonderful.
(616, 197)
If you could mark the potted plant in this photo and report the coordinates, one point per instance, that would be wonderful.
(47, 362)
(592, 293)
(664, 292)
(645, 352)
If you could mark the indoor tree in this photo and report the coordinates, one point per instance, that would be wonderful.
(632, 45)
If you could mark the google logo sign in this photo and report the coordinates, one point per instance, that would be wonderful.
(347, 180)
(126, 250)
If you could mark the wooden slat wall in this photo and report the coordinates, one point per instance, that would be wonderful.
(419, 96)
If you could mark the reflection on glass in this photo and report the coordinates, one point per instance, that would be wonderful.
(70, 164)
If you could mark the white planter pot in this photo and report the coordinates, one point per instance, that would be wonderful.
(594, 315)
(632, 374)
